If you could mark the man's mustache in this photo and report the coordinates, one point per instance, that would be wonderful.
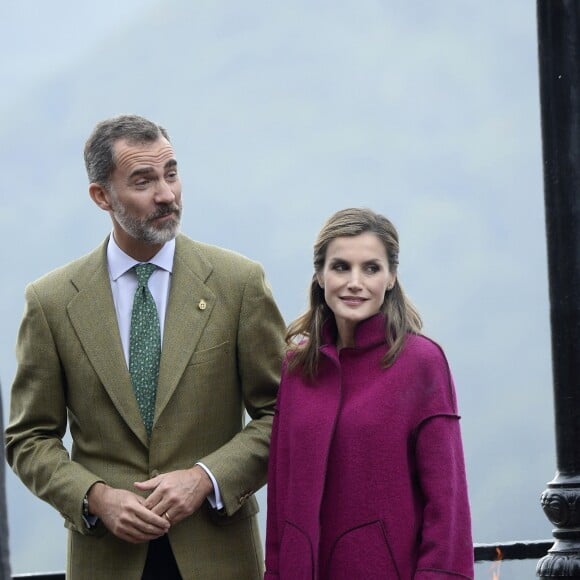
(166, 210)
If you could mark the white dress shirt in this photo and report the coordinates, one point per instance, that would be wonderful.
(124, 284)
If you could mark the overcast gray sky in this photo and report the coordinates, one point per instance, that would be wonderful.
(280, 115)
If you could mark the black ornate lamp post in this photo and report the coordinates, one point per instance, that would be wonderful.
(559, 57)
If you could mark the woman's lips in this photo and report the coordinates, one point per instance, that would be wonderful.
(353, 300)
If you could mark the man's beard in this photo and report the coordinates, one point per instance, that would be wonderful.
(146, 230)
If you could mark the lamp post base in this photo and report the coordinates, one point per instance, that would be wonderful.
(561, 504)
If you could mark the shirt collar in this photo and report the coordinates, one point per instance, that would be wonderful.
(120, 262)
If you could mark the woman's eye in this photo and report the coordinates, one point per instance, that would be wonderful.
(372, 269)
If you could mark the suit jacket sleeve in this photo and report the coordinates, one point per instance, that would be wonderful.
(240, 466)
(446, 548)
(34, 436)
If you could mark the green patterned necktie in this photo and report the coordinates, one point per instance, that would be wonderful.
(144, 346)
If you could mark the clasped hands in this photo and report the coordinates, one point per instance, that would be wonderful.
(172, 497)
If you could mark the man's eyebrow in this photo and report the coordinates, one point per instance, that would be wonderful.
(141, 171)
(146, 170)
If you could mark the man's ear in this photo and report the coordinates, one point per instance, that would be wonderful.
(100, 196)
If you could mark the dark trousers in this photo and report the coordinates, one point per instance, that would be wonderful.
(160, 563)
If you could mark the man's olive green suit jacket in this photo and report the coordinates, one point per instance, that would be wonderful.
(221, 353)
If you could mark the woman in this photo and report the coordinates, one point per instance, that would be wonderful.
(367, 478)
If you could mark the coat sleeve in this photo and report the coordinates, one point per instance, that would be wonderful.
(240, 466)
(272, 532)
(272, 517)
(38, 420)
(446, 548)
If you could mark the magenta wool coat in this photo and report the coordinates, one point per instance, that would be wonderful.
(367, 477)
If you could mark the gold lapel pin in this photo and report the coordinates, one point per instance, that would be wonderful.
(202, 304)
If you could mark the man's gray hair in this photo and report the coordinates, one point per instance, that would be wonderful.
(99, 158)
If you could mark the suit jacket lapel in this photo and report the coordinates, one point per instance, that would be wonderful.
(92, 314)
(189, 307)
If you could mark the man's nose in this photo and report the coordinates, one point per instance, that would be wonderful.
(164, 193)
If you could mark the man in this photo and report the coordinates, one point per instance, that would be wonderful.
(162, 471)
(4, 553)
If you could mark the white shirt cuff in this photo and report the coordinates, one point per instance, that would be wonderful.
(215, 498)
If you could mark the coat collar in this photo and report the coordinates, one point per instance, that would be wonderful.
(189, 308)
(92, 315)
(368, 333)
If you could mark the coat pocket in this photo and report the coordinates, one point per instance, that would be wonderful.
(296, 561)
(210, 355)
(363, 552)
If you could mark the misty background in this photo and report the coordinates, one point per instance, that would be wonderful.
(281, 114)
